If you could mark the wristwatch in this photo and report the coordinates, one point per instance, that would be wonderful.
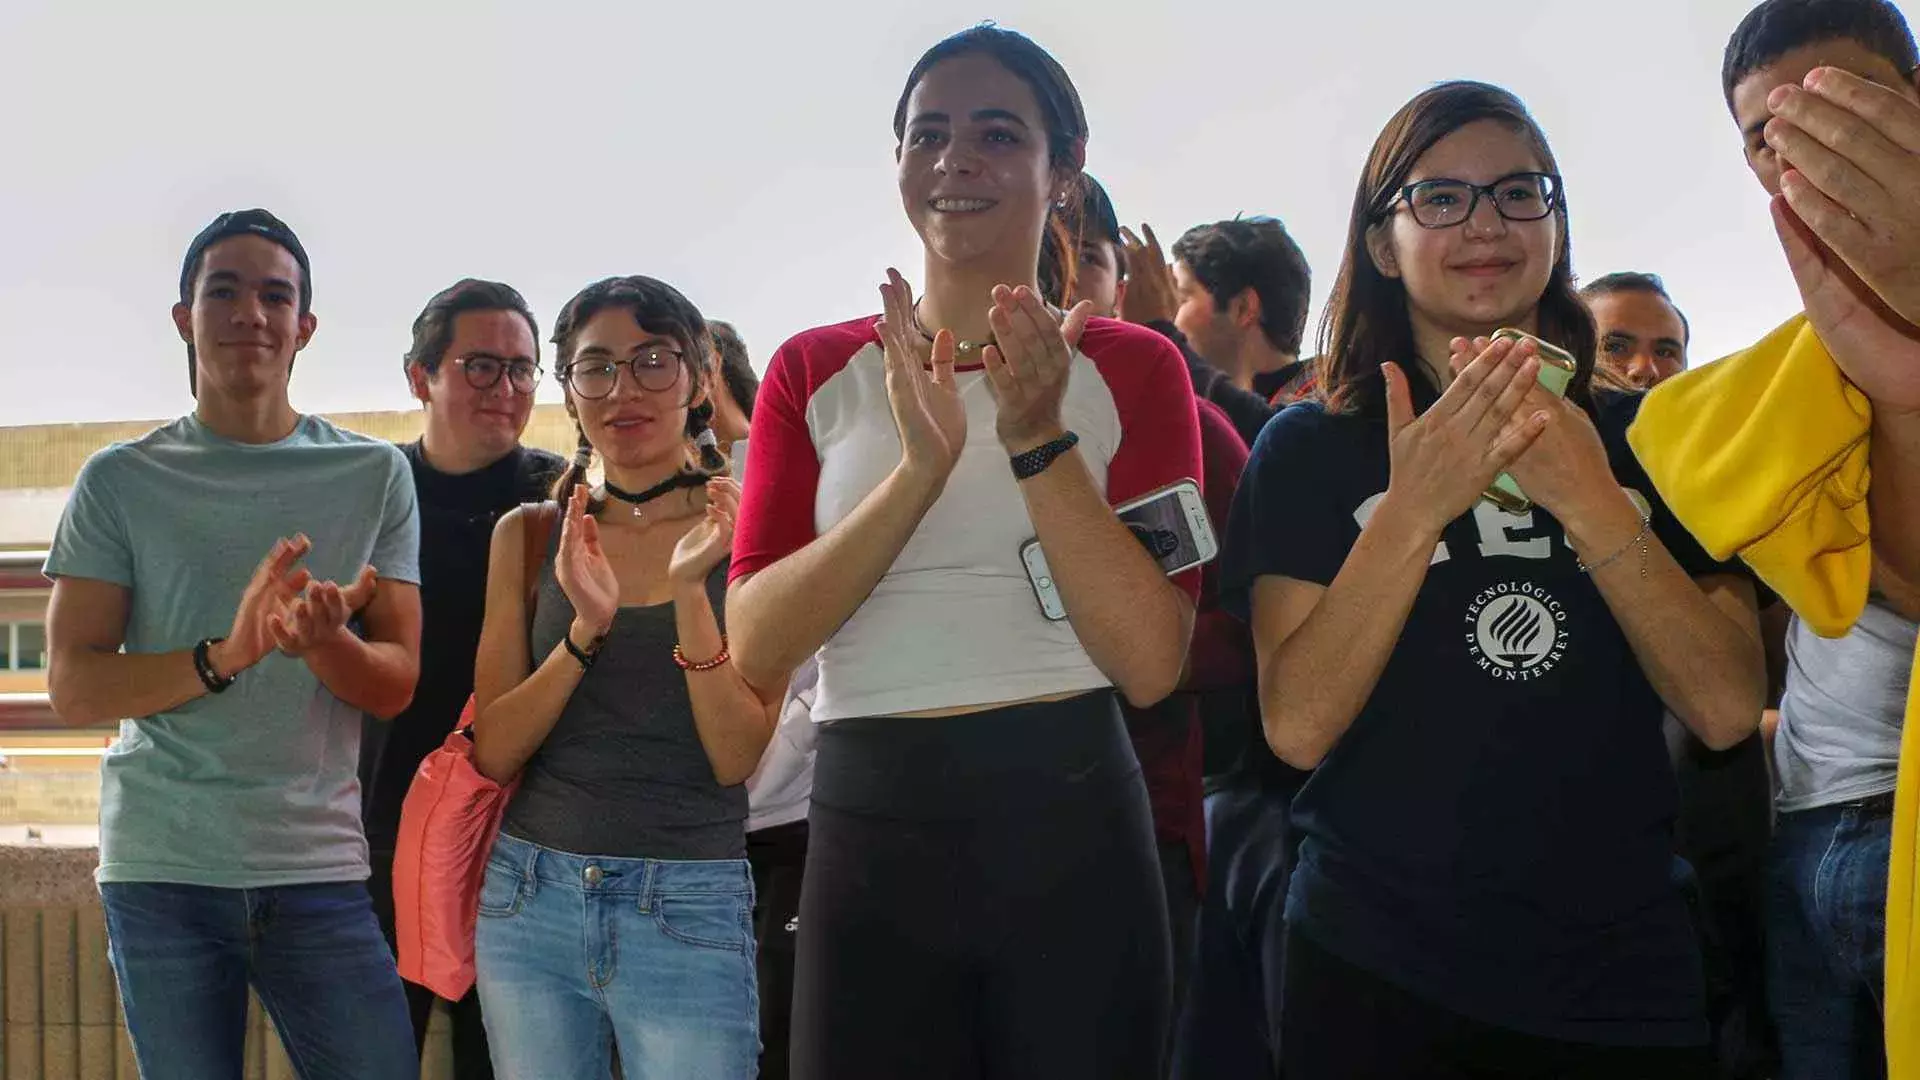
(1032, 463)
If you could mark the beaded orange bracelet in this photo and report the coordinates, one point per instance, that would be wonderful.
(680, 658)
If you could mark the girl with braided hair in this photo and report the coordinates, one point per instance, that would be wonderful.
(616, 908)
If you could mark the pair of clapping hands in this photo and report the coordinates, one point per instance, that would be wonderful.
(1027, 368)
(285, 608)
(1849, 218)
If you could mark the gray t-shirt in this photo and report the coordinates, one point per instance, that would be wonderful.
(1841, 715)
(256, 786)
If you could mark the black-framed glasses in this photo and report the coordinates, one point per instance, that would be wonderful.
(483, 372)
(1443, 203)
(655, 370)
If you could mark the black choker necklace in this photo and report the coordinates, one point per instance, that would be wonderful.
(665, 487)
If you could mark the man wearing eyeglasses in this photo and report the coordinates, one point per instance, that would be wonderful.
(473, 365)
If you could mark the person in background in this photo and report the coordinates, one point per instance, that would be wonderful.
(617, 903)
(473, 365)
(1837, 745)
(982, 893)
(1244, 286)
(1725, 814)
(734, 390)
(1227, 1024)
(1167, 737)
(198, 594)
(1485, 876)
(1145, 295)
(778, 796)
(1643, 333)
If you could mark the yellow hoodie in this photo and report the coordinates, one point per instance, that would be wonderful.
(1764, 455)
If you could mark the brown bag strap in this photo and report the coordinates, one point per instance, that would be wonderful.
(539, 529)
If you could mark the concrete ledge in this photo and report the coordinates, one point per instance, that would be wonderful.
(47, 875)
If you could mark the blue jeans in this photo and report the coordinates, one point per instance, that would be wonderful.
(185, 955)
(1826, 941)
(577, 953)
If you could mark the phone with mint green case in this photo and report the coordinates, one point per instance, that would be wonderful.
(1557, 369)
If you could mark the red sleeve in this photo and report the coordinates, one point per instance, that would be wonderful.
(1221, 655)
(783, 468)
(1159, 426)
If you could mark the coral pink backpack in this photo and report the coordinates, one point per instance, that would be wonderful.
(447, 826)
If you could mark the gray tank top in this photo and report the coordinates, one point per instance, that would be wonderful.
(623, 773)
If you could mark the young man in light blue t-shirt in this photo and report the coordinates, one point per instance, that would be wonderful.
(236, 588)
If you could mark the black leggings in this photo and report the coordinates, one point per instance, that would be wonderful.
(982, 899)
(1342, 1023)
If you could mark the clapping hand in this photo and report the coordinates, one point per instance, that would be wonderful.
(1443, 459)
(927, 408)
(1565, 469)
(711, 539)
(582, 569)
(1151, 296)
(320, 615)
(274, 589)
(1029, 364)
(1849, 220)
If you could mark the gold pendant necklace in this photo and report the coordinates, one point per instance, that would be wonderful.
(960, 348)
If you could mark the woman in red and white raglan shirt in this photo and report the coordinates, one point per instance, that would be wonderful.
(982, 894)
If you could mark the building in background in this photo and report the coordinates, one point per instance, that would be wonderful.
(47, 769)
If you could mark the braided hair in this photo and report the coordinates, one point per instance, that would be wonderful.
(658, 308)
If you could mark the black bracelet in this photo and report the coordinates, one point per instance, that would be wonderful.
(1028, 465)
(585, 657)
(203, 666)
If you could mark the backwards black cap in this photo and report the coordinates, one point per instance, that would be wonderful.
(1097, 210)
(255, 222)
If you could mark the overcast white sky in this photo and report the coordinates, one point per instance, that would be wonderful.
(743, 152)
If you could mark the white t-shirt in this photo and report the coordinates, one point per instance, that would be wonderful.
(954, 622)
(1843, 710)
(780, 790)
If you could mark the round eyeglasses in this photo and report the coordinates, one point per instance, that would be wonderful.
(1444, 203)
(654, 370)
(484, 372)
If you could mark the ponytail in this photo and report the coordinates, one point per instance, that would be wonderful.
(706, 445)
(576, 473)
(1060, 240)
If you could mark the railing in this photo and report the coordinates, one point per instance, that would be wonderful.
(31, 710)
(21, 569)
(63, 1016)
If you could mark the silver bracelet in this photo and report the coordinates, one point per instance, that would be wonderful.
(1639, 541)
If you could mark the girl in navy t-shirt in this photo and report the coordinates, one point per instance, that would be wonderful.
(1485, 876)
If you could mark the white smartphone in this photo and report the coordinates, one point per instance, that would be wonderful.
(738, 466)
(1171, 523)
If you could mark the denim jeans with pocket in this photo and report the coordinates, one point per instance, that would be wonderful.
(578, 953)
(1827, 940)
(185, 955)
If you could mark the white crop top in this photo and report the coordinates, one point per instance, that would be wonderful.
(954, 622)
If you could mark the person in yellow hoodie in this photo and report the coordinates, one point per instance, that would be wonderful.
(1767, 454)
